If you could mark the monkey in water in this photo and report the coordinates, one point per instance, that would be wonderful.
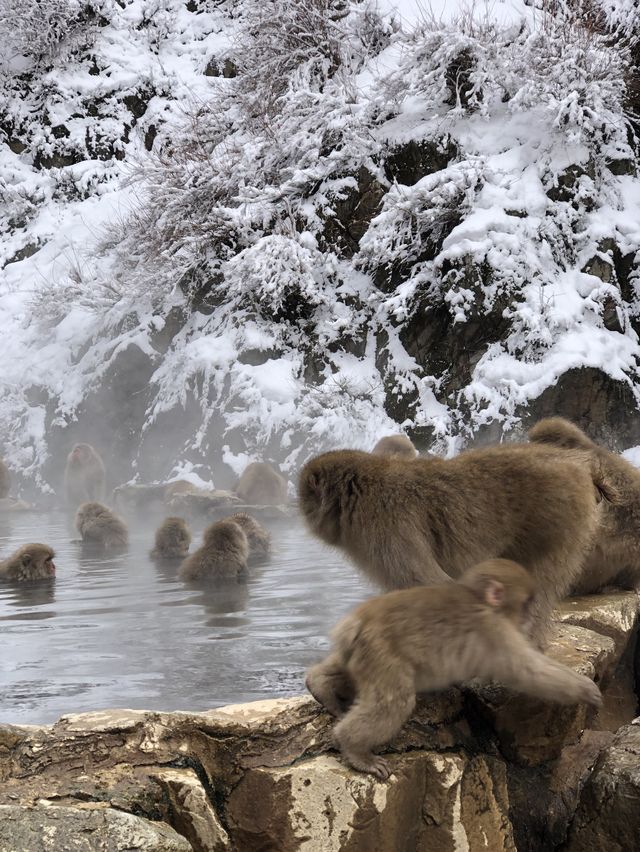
(223, 554)
(395, 446)
(261, 485)
(258, 537)
(172, 539)
(29, 562)
(614, 559)
(427, 639)
(101, 527)
(5, 480)
(84, 476)
(423, 521)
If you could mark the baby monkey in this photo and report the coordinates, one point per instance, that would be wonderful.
(430, 638)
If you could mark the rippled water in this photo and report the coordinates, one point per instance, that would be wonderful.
(119, 631)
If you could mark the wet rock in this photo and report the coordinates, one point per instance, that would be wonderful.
(138, 496)
(353, 210)
(12, 504)
(418, 157)
(260, 513)
(52, 828)
(614, 615)
(605, 408)
(198, 503)
(530, 731)
(432, 801)
(608, 815)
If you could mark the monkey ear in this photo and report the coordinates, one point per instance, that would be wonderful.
(494, 593)
(26, 559)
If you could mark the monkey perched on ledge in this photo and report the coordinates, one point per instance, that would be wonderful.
(29, 562)
(614, 559)
(423, 521)
(426, 639)
(84, 475)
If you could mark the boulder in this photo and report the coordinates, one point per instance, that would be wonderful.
(85, 828)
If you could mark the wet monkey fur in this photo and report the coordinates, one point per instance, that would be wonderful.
(172, 539)
(426, 639)
(29, 562)
(423, 521)
(614, 559)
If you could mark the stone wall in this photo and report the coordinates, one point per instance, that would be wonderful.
(473, 769)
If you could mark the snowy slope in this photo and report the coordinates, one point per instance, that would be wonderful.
(305, 221)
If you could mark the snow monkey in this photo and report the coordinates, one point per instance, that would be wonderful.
(614, 559)
(395, 446)
(29, 562)
(261, 485)
(258, 537)
(426, 639)
(5, 480)
(101, 527)
(223, 554)
(423, 521)
(84, 476)
(172, 539)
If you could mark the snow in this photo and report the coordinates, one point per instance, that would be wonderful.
(304, 338)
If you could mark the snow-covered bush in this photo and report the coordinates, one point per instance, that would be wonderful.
(38, 28)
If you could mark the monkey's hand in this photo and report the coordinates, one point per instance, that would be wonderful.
(589, 692)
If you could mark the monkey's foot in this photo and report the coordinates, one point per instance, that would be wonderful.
(372, 763)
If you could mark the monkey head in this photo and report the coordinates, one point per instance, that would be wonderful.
(328, 490)
(504, 586)
(80, 454)
(30, 562)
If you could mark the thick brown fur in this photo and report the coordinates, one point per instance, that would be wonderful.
(427, 639)
(406, 523)
(29, 562)
(395, 446)
(261, 485)
(222, 555)
(5, 480)
(84, 476)
(100, 526)
(614, 559)
(172, 539)
(258, 537)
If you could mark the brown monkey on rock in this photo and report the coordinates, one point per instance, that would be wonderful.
(223, 554)
(261, 485)
(427, 639)
(29, 562)
(172, 539)
(614, 559)
(101, 527)
(84, 476)
(395, 446)
(422, 521)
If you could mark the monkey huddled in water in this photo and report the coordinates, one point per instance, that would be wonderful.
(101, 527)
(222, 555)
(172, 539)
(29, 562)
(422, 521)
(430, 638)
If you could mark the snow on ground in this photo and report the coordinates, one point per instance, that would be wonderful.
(97, 231)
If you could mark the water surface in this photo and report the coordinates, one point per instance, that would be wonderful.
(122, 631)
